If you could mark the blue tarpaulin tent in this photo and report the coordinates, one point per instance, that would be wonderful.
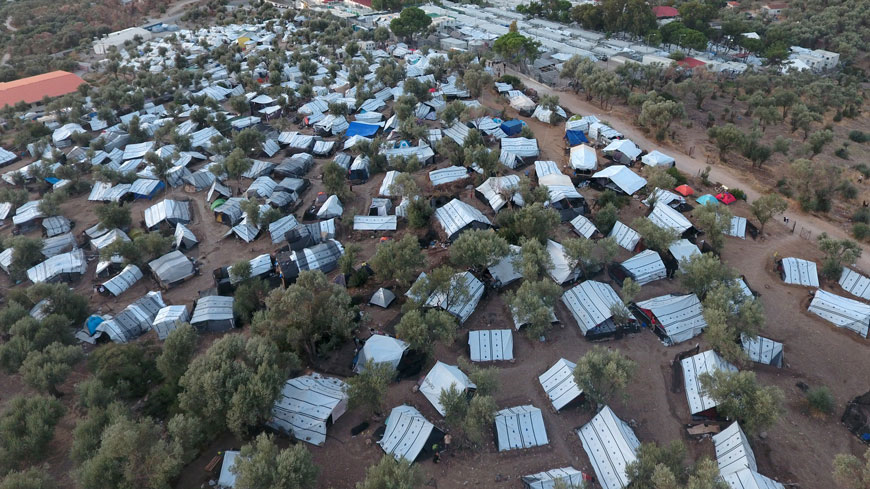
(575, 137)
(92, 324)
(512, 127)
(356, 128)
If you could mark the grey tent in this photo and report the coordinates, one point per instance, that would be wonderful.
(172, 268)
(382, 297)
(135, 320)
(184, 237)
(213, 313)
(168, 319)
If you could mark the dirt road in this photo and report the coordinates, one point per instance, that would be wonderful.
(726, 176)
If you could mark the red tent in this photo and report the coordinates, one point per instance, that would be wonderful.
(726, 198)
(684, 190)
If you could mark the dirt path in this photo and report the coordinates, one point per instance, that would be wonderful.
(695, 164)
(9, 24)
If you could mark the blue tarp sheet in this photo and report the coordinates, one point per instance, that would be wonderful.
(575, 137)
(512, 127)
(361, 129)
(92, 324)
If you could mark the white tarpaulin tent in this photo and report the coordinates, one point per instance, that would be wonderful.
(462, 309)
(567, 476)
(737, 228)
(441, 378)
(624, 236)
(683, 249)
(520, 427)
(331, 208)
(706, 362)
(505, 272)
(561, 270)
(498, 190)
(380, 349)
(660, 195)
(558, 382)
(622, 178)
(624, 146)
(680, 316)
(645, 267)
(406, 433)
(456, 216)
(591, 303)
(123, 281)
(749, 479)
(763, 350)
(799, 272)
(491, 345)
(843, 312)
(855, 283)
(583, 158)
(733, 452)
(227, 479)
(307, 404)
(583, 226)
(611, 446)
(657, 158)
(382, 297)
(666, 217)
(168, 319)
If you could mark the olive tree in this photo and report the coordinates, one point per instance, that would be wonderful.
(739, 396)
(262, 464)
(603, 373)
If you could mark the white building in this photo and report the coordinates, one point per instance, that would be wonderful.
(118, 38)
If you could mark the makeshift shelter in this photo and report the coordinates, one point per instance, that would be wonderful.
(611, 446)
(726, 198)
(447, 175)
(457, 216)
(575, 138)
(583, 158)
(227, 477)
(645, 267)
(666, 217)
(375, 223)
(172, 268)
(359, 170)
(55, 226)
(491, 345)
(323, 257)
(522, 104)
(134, 321)
(763, 350)
(383, 298)
(461, 307)
(682, 249)
(855, 283)
(331, 208)
(684, 190)
(657, 158)
(380, 349)
(559, 384)
(512, 127)
(64, 267)
(707, 199)
(707, 362)
(168, 319)
(549, 116)
(625, 236)
(675, 318)
(843, 312)
(733, 452)
(307, 405)
(213, 313)
(856, 417)
(591, 304)
(497, 191)
(441, 378)
(389, 179)
(520, 427)
(121, 282)
(623, 151)
(366, 130)
(796, 271)
(737, 228)
(184, 237)
(505, 272)
(566, 476)
(620, 178)
(667, 198)
(560, 271)
(170, 211)
(302, 236)
(407, 434)
(583, 226)
(749, 479)
(58, 244)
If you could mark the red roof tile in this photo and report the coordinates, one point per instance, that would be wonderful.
(664, 11)
(690, 63)
(33, 89)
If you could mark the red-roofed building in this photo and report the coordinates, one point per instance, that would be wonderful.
(732, 4)
(690, 63)
(665, 12)
(33, 89)
(773, 9)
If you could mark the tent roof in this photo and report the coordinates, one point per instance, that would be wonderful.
(763, 350)
(855, 283)
(707, 199)
(583, 226)
(381, 349)
(456, 215)
(681, 316)
(520, 427)
(406, 433)
(843, 312)
(561, 270)
(624, 146)
(726, 198)
(590, 303)
(172, 267)
(667, 217)
(733, 452)
(306, 404)
(504, 271)
(382, 297)
(737, 228)
(706, 362)
(657, 158)
(442, 377)
(558, 382)
(624, 236)
(800, 272)
(583, 157)
(684, 190)
(645, 267)
(683, 249)
(611, 446)
(621, 176)
(569, 476)
(491, 345)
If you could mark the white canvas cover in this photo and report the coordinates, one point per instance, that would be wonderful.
(558, 382)
(763, 350)
(624, 146)
(442, 377)
(623, 178)
(561, 270)
(737, 228)
(168, 318)
(389, 178)
(590, 303)
(568, 476)
(733, 452)
(491, 345)
(681, 316)
(749, 479)
(66, 263)
(406, 433)
(331, 208)
(645, 267)
(124, 280)
(380, 349)
(172, 267)
(657, 158)
(800, 272)
(611, 445)
(522, 103)
(583, 158)
(456, 215)
(855, 283)
(306, 404)
(544, 114)
(843, 312)
(520, 427)
(227, 478)
(375, 223)
(624, 236)
(660, 195)
(504, 271)
(706, 362)
(382, 297)
(495, 189)
(683, 249)
(462, 309)
(583, 226)
(666, 217)
(447, 175)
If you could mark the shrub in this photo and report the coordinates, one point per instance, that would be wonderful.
(514, 81)
(678, 175)
(863, 170)
(738, 194)
(860, 231)
(611, 197)
(848, 191)
(842, 153)
(862, 215)
(859, 136)
(820, 400)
